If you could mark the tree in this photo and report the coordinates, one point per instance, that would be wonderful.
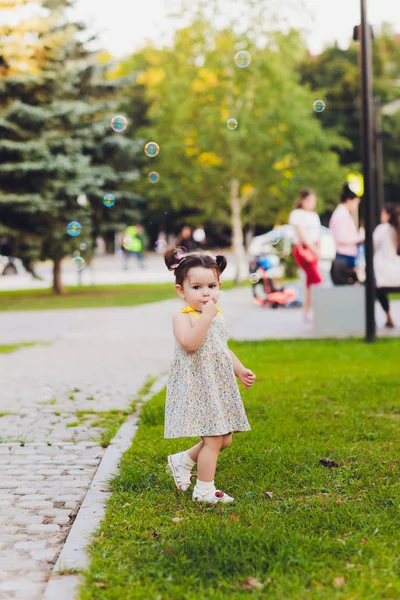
(334, 75)
(249, 174)
(55, 108)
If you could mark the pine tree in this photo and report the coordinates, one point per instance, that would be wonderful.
(55, 109)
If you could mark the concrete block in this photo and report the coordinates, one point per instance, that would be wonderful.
(339, 311)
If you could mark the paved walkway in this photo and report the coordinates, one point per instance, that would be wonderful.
(89, 359)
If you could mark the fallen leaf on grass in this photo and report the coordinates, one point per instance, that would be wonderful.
(339, 582)
(364, 540)
(176, 519)
(269, 495)
(154, 535)
(100, 584)
(327, 462)
(338, 501)
(169, 550)
(349, 566)
(250, 583)
(234, 518)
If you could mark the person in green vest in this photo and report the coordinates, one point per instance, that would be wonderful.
(132, 243)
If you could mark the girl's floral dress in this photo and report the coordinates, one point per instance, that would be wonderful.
(203, 398)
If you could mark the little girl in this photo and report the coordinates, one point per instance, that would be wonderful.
(203, 398)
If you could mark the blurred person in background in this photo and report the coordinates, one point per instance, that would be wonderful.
(387, 257)
(343, 227)
(132, 244)
(185, 239)
(307, 233)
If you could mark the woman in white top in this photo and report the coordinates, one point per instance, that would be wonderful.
(387, 257)
(307, 233)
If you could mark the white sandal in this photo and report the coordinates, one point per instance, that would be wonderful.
(182, 476)
(212, 497)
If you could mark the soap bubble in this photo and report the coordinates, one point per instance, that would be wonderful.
(254, 277)
(118, 123)
(82, 200)
(242, 59)
(199, 235)
(319, 106)
(151, 149)
(109, 200)
(232, 124)
(127, 242)
(160, 246)
(153, 176)
(83, 246)
(79, 262)
(273, 238)
(74, 228)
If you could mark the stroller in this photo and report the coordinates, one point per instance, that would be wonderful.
(267, 289)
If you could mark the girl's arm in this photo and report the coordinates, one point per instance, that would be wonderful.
(189, 336)
(237, 365)
(246, 376)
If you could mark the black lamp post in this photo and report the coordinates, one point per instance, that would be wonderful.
(368, 168)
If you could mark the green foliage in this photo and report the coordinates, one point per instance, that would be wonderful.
(334, 76)
(311, 399)
(193, 87)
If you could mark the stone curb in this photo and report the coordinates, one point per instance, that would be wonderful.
(73, 556)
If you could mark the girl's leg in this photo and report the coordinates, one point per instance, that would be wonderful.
(226, 441)
(307, 302)
(204, 490)
(207, 458)
(193, 452)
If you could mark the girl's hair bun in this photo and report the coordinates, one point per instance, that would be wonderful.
(172, 257)
(221, 262)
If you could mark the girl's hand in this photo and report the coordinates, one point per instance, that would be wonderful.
(247, 377)
(210, 309)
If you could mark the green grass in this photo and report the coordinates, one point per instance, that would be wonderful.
(7, 348)
(89, 296)
(111, 420)
(312, 399)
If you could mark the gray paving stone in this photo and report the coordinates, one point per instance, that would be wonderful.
(31, 545)
(44, 529)
(35, 505)
(8, 529)
(27, 519)
(48, 554)
(66, 498)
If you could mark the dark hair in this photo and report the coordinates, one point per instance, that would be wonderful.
(180, 262)
(302, 196)
(394, 219)
(347, 193)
